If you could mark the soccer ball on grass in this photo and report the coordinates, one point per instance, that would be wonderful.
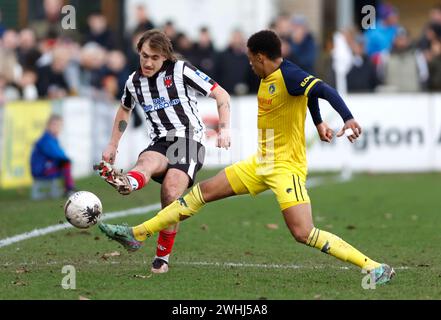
(83, 209)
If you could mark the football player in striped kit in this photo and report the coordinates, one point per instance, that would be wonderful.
(165, 87)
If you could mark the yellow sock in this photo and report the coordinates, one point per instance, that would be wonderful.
(178, 210)
(333, 245)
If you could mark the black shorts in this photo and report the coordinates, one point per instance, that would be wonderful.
(183, 154)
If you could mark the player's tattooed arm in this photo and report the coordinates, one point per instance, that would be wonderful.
(224, 104)
(119, 126)
(223, 109)
(122, 126)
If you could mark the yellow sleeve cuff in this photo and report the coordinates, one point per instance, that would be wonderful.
(310, 86)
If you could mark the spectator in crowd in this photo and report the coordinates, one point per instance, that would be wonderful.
(429, 43)
(28, 53)
(99, 31)
(51, 78)
(49, 161)
(434, 25)
(184, 46)
(131, 51)
(433, 57)
(433, 34)
(10, 69)
(8, 92)
(18, 80)
(92, 60)
(362, 76)
(233, 66)
(28, 85)
(170, 31)
(143, 21)
(381, 38)
(303, 46)
(72, 72)
(116, 74)
(286, 50)
(405, 69)
(204, 53)
(282, 26)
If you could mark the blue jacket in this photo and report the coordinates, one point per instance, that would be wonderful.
(304, 54)
(380, 39)
(47, 157)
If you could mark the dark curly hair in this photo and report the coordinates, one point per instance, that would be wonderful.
(266, 42)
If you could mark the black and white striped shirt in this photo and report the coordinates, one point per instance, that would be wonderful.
(169, 99)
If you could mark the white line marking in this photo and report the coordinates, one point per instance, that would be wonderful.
(265, 266)
(311, 183)
(54, 228)
(197, 264)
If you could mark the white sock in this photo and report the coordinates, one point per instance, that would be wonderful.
(165, 258)
(133, 182)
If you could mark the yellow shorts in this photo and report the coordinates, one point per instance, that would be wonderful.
(286, 181)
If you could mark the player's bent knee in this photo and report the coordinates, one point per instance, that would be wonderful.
(301, 235)
(182, 217)
(170, 194)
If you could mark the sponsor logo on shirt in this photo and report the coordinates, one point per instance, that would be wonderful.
(264, 102)
(306, 80)
(160, 103)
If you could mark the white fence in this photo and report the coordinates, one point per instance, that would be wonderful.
(401, 133)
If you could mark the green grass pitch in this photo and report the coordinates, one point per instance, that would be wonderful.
(237, 248)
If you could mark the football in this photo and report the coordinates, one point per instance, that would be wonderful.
(83, 209)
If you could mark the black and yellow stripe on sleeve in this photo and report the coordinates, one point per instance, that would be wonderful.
(310, 86)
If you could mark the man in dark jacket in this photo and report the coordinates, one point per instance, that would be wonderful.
(234, 77)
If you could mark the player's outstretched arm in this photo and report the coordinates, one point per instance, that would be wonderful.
(324, 91)
(223, 108)
(119, 126)
(324, 131)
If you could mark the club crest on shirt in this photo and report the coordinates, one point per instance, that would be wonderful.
(168, 81)
(272, 88)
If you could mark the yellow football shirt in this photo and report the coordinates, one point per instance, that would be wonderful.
(283, 100)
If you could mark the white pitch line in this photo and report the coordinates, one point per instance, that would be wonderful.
(198, 264)
(311, 183)
(41, 232)
(262, 265)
